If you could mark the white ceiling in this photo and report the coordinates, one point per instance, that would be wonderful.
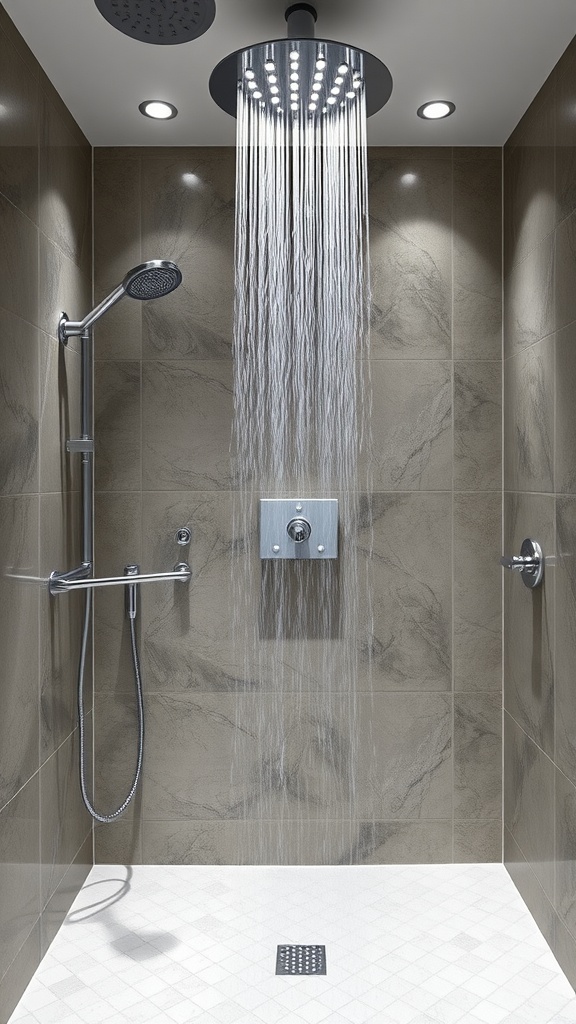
(489, 56)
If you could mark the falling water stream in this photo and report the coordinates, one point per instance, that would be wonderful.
(301, 430)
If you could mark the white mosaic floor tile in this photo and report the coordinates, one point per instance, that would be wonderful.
(419, 944)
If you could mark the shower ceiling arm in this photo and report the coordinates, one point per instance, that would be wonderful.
(60, 583)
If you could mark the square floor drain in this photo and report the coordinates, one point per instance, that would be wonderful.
(301, 960)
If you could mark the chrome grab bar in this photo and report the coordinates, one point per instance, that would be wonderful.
(59, 583)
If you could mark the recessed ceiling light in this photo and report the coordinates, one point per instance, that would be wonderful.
(158, 109)
(436, 109)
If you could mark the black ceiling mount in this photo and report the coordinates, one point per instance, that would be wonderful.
(300, 18)
(161, 22)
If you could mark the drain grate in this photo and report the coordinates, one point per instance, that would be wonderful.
(301, 960)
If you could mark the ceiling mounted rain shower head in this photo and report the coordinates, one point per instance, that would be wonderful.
(162, 22)
(301, 73)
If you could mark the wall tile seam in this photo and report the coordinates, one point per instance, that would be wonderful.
(19, 790)
(521, 350)
(305, 821)
(71, 865)
(514, 265)
(527, 864)
(535, 494)
(7, 199)
(546, 91)
(62, 252)
(10, 33)
(20, 948)
(541, 750)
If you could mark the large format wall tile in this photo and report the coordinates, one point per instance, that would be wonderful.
(19, 642)
(411, 258)
(18, 263)
(565, 268)
(116, 752)
(478, 842)
(19, 142)
(529, 419)
(477, 755)
(65, 824)
(187, 417)
(19, 404)
(117, 249)
(60, 370)
(19, 871)
(61, 620)
(61, 900)
(190, 643)
(406, 755)
(565, 853)
(63, 288)
(529, 312)
(117, 415)
(16, 979)
(477, 426)
(529, 616)
(65, 188)
(188, 217)
(477, 608)
(565, 750)
(411, 425)
(530, 888)
(529, 801)
(117, 543)
(248, 757)
(411, 591)
(529, 204)
(565, 439)
(477, 299)
(565, 135)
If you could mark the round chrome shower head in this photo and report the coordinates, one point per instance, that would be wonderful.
(301, 73)
(152, 280)
(163, 22)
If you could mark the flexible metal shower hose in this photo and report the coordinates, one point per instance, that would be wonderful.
(105, 818)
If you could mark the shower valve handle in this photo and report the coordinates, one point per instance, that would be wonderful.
(529, 563)
(299, 530)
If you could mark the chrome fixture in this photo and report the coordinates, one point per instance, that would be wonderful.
(301, 73)
(306, 528)
(183, 536)
(529, 563)
(60, 583)
(147, 281)
(164, 23)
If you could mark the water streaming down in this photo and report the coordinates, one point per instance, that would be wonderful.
(301, 429)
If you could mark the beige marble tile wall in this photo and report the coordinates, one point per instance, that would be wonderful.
(540, 502)
(429, 789)
(45, 266)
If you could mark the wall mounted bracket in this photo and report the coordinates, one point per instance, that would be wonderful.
(299, 528)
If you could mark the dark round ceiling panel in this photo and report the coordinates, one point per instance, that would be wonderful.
(161, 22)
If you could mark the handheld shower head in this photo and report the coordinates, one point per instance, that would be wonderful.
(149, 280)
